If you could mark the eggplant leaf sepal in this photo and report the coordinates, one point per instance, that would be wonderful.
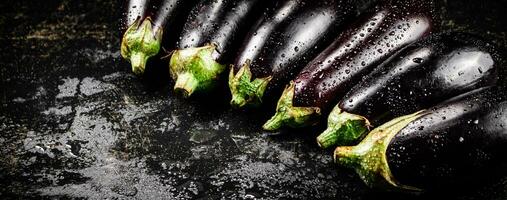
(140, 42)
(195, 70)
(343, 128)
(288, 115)
(245, 91)
(369, 159)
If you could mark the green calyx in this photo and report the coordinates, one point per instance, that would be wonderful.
(195, 69)
(369, 159)
(140, 42)
(246, 92)
(290, 116)
(343, 129)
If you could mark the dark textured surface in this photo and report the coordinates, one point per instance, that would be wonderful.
(75, 123)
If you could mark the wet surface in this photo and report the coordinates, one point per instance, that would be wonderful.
(76, 123)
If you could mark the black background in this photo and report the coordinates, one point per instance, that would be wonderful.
(74, 122)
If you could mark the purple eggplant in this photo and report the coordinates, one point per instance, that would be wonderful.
(209, 40)
(456, 143)
(378, 35)
(282, 43)
(422, 75)
(145, 24)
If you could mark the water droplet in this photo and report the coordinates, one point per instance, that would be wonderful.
(418, 60)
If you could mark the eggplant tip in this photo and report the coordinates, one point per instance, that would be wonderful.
(244, 91)
(238, 102)
(343, 128)
(182, 92)
(368, 158)
(138, 62)
(273, 124)
(291, 116)
(195, 70)
(326, 139)
(141, 42)
(340, 153)
(185, 85)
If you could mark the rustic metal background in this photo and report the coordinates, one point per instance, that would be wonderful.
(74, 122)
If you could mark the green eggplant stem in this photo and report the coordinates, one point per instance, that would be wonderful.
(290, 116)
(140, 42)
(185, 85)
(343, 128)
(369, 158)
(244, 90)
(195, 70)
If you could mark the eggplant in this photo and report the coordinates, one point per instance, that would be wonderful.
(210, 39)
(378, 35)
(421, 76)
(282, 43)
(455, 143)
(145, 24)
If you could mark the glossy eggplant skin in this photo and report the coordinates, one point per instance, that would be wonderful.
(375, 37)
(459, 140)
(209, 40)
(136, 9)
(221, 22)
(161, 12)
(392, 26)
(423, 75)
(284, 41)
